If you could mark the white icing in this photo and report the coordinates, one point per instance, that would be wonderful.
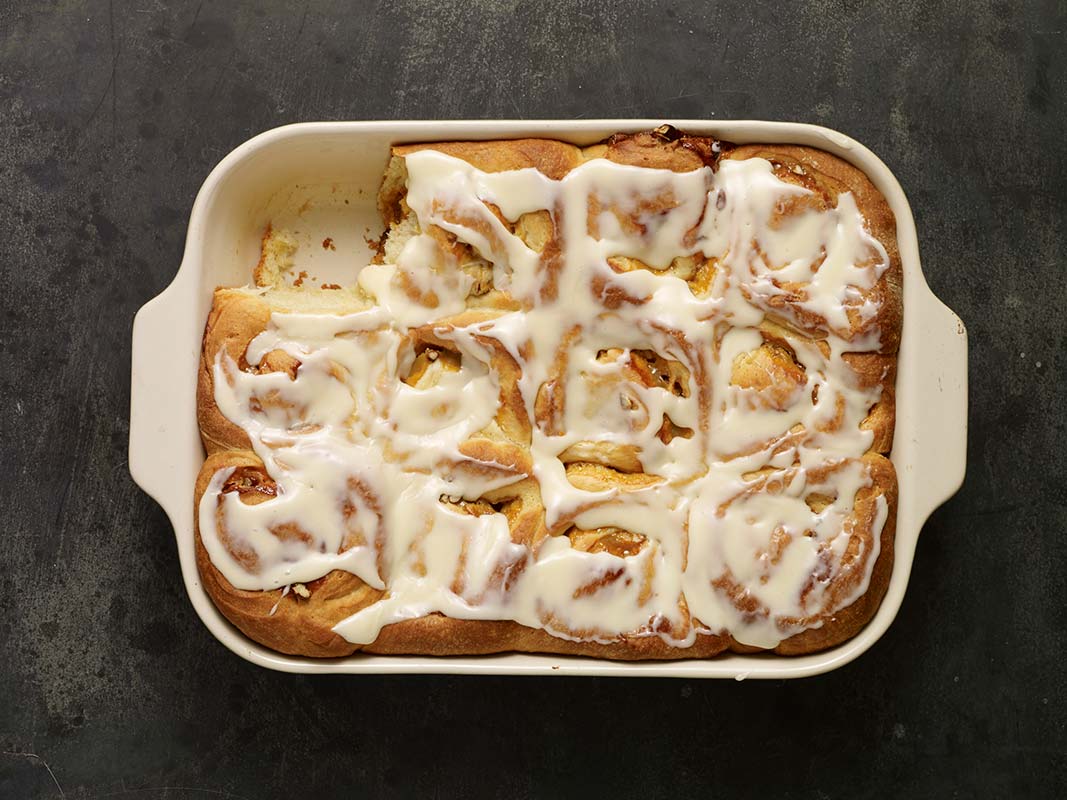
(362, 460)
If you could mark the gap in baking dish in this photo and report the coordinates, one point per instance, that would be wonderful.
(334, 227)
(321, 188)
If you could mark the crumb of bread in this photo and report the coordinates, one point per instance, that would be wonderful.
(300, 278)
(399, 234)
(276, 257)
(327, 244)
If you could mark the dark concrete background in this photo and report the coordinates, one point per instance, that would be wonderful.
(111, 115)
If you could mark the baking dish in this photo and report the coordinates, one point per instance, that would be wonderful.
(322, 179)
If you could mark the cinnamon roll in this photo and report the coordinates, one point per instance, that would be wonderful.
(633, 400)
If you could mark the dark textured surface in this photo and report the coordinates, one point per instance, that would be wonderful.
(111, 115)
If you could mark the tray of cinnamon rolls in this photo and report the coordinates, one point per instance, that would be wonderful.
(623, 397)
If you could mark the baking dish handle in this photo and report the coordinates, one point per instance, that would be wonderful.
(941, 433)
(160, 404)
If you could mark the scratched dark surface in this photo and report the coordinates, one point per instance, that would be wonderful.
(112, 114)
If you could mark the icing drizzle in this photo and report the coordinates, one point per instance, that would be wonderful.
(660, 389)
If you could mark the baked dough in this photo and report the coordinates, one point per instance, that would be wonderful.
(769, 347)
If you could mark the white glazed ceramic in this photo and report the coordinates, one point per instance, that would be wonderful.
(322, 178)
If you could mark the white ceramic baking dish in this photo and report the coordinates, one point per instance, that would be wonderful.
(321, 179)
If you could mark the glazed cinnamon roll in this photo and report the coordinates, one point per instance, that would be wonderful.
(633, 400)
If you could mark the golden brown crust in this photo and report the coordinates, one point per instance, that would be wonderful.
(437, 635)
(301, 625)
